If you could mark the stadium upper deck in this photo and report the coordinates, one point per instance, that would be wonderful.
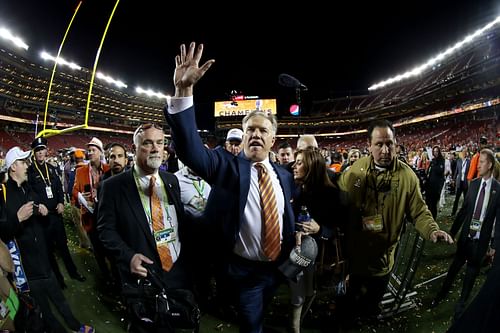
(468, 77)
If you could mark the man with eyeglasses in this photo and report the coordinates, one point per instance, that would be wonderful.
(249, 205)
(140, 220)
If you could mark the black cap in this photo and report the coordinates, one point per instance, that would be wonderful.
(483, 140)
(39, 143)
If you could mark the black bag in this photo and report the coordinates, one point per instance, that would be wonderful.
(150, 302)
(29, 317)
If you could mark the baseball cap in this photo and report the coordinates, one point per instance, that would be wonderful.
(39, 143)
(300, 258)
(15, 154)
(483, 140)
(96, 142)
(234, 134)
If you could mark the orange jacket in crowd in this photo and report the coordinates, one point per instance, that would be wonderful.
(82, 179)
(473, 167)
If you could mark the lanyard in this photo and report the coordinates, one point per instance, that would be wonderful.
(146, 200)
(47, 182)
(199, 189)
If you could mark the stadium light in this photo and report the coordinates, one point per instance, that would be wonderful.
(60, 61)
(109, 79)
(6, 34)
(437, 59)
(151, 93)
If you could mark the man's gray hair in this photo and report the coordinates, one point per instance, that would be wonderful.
(307, 140)
(259, 113)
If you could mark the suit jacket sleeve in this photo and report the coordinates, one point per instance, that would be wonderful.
(189, 146)
(107, 224)
(78, 184)
(496, 244)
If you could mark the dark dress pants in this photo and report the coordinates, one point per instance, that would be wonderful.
(364, 296)
(465, 253)
(57, 240)
(45, 291)
(461, 188)
(432, 196)
(256, 282)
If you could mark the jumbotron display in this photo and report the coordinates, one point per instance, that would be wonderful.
(243, 107)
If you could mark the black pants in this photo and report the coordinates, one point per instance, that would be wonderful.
(432, 196)
(102, 257)
(363, 296)
(467, 253)
(46, 291)
(56, 238)
(461, 188)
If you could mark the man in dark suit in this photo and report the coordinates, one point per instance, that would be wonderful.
(238, 202)
(461, 184)
(483, 313)
(130, 206)
(476, 217)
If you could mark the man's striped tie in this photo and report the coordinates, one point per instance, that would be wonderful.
(157, 217)
(270, 224)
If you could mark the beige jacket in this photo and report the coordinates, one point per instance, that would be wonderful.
(394, 195)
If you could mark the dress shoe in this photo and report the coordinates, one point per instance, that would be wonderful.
(79, 277)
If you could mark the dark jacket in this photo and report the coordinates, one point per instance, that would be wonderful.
(123, 226)
(28, 234)
(483, 313)
(464, 217)
(38, 180)
(324, 207)
(435, 177)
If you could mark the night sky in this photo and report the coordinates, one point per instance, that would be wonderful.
(336, 49)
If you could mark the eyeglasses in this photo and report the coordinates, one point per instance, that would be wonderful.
(147, 126)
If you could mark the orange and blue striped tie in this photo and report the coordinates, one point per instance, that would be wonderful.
(157, 218)
(270, 224)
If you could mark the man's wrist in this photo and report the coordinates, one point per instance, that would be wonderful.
(179, 104)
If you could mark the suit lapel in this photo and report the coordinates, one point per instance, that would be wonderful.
(172, 195)
(244, 167)
(288, 221)
(135, 204)
(279, 171)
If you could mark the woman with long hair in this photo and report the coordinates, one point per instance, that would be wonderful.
(320, 196)
(435, 181)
